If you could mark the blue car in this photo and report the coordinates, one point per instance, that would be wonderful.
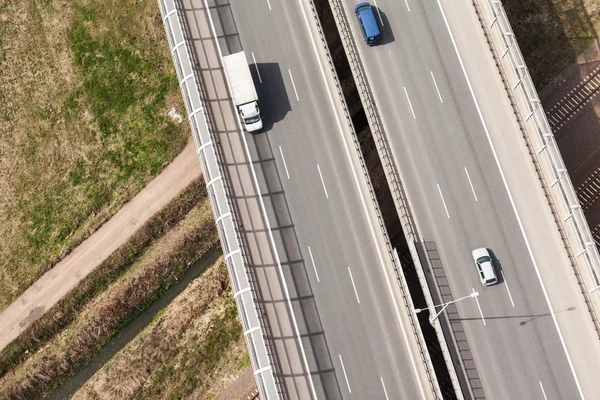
(368, 23)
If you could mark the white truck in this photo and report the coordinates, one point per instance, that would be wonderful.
(243, 90)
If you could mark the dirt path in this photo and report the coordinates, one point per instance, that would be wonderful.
(57, 282)
(242, 388)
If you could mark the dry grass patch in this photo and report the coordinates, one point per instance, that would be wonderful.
(553, 33)
(192, 350)
(102, 318)
(67, 309)
(85, 87)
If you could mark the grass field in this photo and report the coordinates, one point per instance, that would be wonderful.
(107, 310)
(85, 91)
(191, 350)
(110, 270)
(553, 33)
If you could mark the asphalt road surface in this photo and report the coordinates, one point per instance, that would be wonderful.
(321, 215)
(458, 184)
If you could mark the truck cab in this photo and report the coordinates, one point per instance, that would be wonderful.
(250, 113)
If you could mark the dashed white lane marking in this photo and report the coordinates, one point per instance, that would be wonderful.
(378, 13)
(384, 390)
(284, 163)
(294, 85)
(322, 181)
(443, 201)
(471, 183)
(313, 263)
(507, 288)
(256, 66)
(353, 285)
(409, 103)
(436, 87)
(345, 376)
(543, 391)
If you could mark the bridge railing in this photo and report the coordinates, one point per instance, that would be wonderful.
(401, 203)
(227, 225)
(568, 213)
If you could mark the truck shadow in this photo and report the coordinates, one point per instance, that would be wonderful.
(272, 95)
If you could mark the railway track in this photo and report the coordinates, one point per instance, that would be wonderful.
(589, 192)
(574, 101)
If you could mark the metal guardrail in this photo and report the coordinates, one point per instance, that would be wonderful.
(220, 200)
(400, 200)
(544, 150)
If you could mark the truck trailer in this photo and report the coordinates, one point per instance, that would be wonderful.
(243, 90)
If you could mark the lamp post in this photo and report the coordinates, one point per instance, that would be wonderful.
(444, 305)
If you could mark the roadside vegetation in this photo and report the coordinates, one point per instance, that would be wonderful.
(86, 88)
(553, 33)
(111, 269)
(121, 288)
(193, 349)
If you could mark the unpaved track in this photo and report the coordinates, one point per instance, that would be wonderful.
(57, 282)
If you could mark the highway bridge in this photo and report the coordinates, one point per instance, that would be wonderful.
(324, 312)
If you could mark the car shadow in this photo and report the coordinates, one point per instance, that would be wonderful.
(498, 266)
(387, 34)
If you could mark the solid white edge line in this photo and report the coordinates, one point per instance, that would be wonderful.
(436, 87)
(364, 206)
(543, 391)
(409, 103)
(313, 263)
(384, 390)
(507, 288)
(268, 225)
(293, 85)
(284, 163)
(345, 376)
(512, 202)
(471, 183)
(443, 201)
(479, 307)
(256, 66)
(322, 181)
(353, 285)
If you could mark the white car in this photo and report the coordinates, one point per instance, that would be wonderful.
(485, 266)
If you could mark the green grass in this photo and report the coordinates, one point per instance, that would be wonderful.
(109, 271)
(86, 88)
(104, 315)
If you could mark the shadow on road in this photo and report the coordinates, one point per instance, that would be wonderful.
(267, 283)
(272, 95)
(450, 321)
(387, 33)
(294, 268)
